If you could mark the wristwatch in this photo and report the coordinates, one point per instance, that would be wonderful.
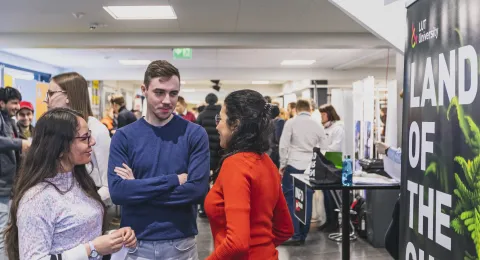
(386, 150)
(93, 251)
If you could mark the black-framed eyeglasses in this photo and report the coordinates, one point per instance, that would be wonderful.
(50, 93)
(85, 137)
(217, 119)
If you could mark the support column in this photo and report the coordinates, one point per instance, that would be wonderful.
(321, 95)
(399, 76)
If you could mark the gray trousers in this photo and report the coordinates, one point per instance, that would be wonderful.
(4, 213)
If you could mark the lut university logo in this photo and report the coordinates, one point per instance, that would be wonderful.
(424, 34)
(414, 39)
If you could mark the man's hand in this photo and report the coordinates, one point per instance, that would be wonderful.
(381, 147)
(125, 173)
(26, 145)
(282, 171)
(182, 178)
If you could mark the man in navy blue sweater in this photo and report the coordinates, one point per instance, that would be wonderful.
(158, 171)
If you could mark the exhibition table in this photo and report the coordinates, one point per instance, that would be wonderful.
(346, 206)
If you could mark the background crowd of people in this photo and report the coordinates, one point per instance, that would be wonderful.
(65, 177)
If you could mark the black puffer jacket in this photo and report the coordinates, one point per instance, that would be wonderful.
(125, 117)
(10, 147)
(207, 120)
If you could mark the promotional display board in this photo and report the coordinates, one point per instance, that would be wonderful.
(32, 91)
(40, 105)
(95, 98)
(7, 80)
(368, 116)
(393, 169)
(440, 200)
(28, 89)
(358, 118)
(300, 197)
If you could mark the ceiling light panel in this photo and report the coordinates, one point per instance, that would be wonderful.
(297, 62)
(141, 12)
(261, 82)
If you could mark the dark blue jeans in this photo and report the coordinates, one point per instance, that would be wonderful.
(301, 230)
(329, 207)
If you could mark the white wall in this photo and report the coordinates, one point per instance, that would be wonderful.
(196, 93)
(120, 87)
(342, 101)
(249, 74)
(294, 86)
(29, 64)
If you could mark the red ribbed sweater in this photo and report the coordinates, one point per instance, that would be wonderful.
(248, 213)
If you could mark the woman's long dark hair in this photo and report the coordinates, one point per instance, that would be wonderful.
(248, 114)
(54, 134)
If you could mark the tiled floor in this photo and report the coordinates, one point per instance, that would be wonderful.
(318, 246)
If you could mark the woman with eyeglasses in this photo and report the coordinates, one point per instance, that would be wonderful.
(71, 90)
(248, 213)
(56, 212)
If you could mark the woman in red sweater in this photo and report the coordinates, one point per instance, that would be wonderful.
(248, 214)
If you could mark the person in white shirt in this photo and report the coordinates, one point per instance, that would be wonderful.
(70, 90)
(334, 129)
(334, 137)
(318, 209)
(316, 112)
(300, 135)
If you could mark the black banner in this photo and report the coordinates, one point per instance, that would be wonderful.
(300, 197)
(440, 201)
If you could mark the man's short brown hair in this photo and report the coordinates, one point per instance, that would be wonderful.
(303, 105)
(119, 100)
(160, 69)
(181, 100)
(292, 105)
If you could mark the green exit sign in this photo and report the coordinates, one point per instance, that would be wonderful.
(182, 53)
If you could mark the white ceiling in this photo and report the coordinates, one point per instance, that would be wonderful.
(236, 41)
(209, 58)
(21, 16)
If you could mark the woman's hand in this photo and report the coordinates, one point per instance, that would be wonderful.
(125, 173)
(129, 238)
(107, 244)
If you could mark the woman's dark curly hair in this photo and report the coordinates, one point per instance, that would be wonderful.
(248, 114)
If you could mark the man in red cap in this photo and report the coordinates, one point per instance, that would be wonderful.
(24, 120)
